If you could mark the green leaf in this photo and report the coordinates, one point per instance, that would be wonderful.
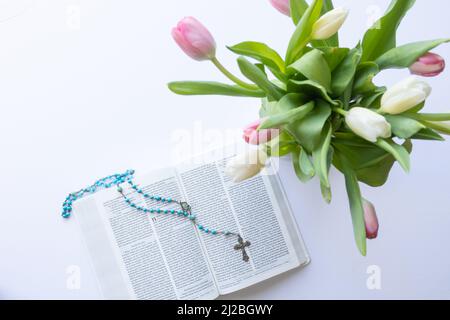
(261, 52)
(281, 146)
(254, 74)
(288, 102)
(399, 152)
(356, 206)
(440, 127)
(404, 56)
(298, 9)
(404, 127)
(382, 36)
(326, 193)
(417, 108)
(287, 117)
(322, 161)
(372, 100)
(261, 67)
(346, 97)
(428, 134)
(291, 101)
(302, 165)
(343, 75)
(320, 155)
(314, 67)
(371, 163)
(360, 153)
(364, 76)
(212, 88)
(310, 88)
(307, 132)
(302, 33)
(306, 164)
(268, 108)
(378, 174)
(327, 6)
(334, 55)
(334, 40)
(275, 149)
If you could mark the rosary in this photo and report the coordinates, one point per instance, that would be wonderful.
(185, 212)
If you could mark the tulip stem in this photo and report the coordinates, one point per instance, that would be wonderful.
(232, 77)
(340, 111)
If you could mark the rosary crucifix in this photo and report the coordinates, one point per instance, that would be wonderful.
(241, 246)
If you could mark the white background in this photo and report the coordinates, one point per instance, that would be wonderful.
(83, 99)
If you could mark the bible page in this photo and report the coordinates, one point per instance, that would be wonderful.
(140, 255)
(250, 209)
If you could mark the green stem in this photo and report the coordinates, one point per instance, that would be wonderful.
(429, 117)
(441, 127)
(340, 111)
(232, 77)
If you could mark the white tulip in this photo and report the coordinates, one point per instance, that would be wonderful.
(329, 24)
(368, 124)
(246, 165)
(405, 95)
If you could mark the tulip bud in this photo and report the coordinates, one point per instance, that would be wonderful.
(194, 39)
(370, 220)
(368, 124)
(246, 165)
(405, 95)
(283, 6)
(429, 65)
(254, 136)
(329, 24)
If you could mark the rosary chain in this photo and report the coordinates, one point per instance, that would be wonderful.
(127, 177)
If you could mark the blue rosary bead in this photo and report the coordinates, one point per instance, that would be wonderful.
(66, 215)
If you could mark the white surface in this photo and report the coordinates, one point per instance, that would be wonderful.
(80, 103)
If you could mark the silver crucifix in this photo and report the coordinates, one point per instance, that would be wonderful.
(241, 246)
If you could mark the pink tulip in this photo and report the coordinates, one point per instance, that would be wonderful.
(282, 5)
(253, 136)
(429, 65)
(194, 39)
(370, 219)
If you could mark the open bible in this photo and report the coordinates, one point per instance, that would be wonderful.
(150, 256)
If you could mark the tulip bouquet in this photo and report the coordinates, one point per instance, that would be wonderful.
(320, 104)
